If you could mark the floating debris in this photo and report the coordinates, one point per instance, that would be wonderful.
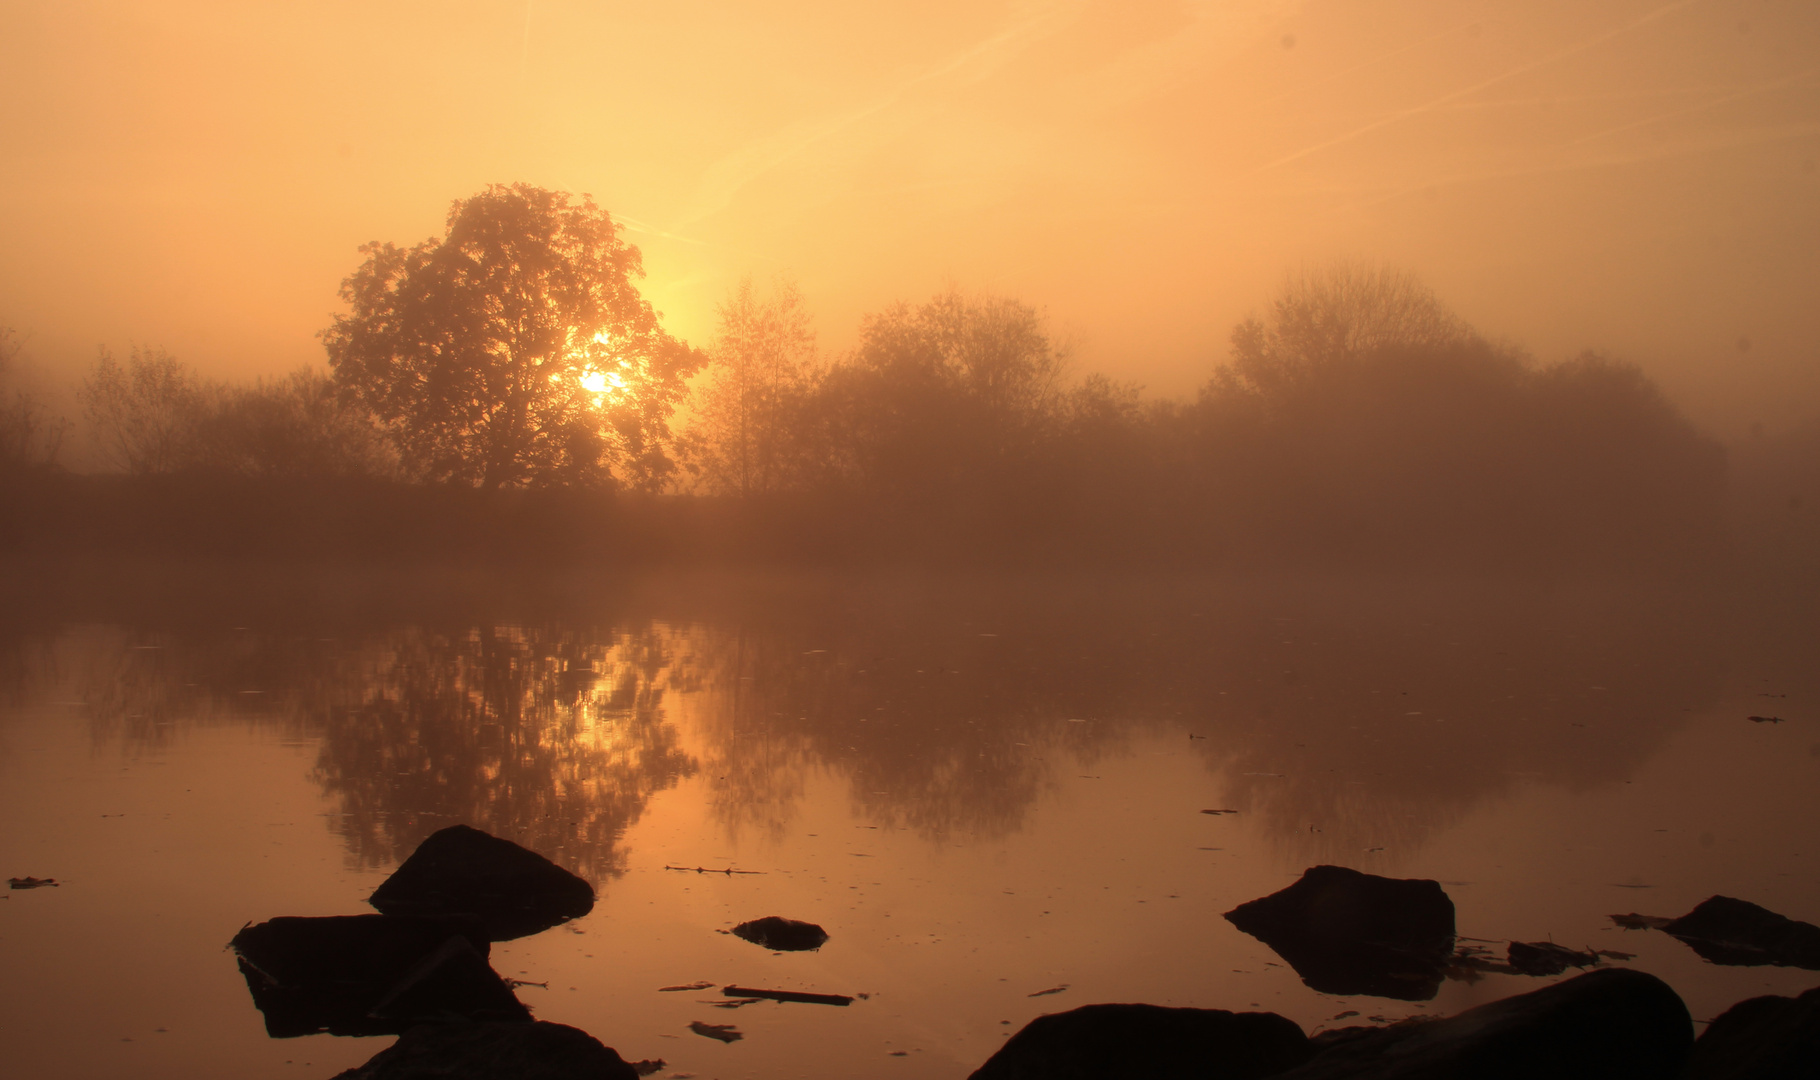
(33, 882)
(1218, 812)
(1634, 921)
(729, 871)
(787, 995)
(1764, 719)
(684, 986)
(726, 1033)
(1051, 990)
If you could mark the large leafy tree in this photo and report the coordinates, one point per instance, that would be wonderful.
(516, 350)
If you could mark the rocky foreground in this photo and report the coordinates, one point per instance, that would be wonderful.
(419, 970)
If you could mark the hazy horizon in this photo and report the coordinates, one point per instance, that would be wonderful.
(1633, 177)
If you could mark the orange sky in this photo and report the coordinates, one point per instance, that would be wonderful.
(1639, 176)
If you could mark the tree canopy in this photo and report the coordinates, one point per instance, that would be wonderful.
(516, 350)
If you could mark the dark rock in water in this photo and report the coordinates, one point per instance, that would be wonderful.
(463, 871)
(528, 1051)
(1728, 931)
(784, 935)
(369, 974)
(1614, 1024)
(1547, 958)
(1149, 1042)
(1350, 933)
(1765, 1038)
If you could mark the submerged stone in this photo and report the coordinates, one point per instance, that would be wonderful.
(1346, 932)
(1149, 1042)
(460, 870)
(1764, 1038)
(784, 935)
(525, 1051)
(1738, 932)
(369, 974)
(1614, 1024)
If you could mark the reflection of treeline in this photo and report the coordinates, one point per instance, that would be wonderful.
(1338, 715)
(1356, 419)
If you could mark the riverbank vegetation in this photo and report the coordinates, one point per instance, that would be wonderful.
(505, 392)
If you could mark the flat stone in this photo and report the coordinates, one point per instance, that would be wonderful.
(526, 1051)
(1348, 933)
(1613, 1024)
(784, 935)
(369, 974)
(1764, 1038)
(1738, 932)
(463, 871)
(1149, 1042)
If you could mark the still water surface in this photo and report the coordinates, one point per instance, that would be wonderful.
(981, 790)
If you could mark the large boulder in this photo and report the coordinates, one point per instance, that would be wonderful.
(784, 935)
(1346, 932)
(369, 974)
(1614, 1024)
(532, 1051)
(1765, 1038)
(463, 871)
(1148, 1042)
(1728, 931)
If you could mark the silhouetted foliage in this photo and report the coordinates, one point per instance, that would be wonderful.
(943, 400)
(1358, 418)
(298, 426)
(516, 350)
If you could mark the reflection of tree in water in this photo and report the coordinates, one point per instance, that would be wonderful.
(1369, 722)
(550, 737)
(554, 739)
(1301, 701)
(935, 724)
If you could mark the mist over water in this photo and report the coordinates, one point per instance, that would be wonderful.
(920, 764)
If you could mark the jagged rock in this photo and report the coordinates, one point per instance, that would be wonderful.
(1728, 931)
(526, 1051)
(1764, 1038)
(784, 935)
(1546, 958)
(1346, 932)
(463, 871)
(369, 974)
(1148, 1042)
(1615, 1024)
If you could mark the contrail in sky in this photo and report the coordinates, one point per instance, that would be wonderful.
(1713, 103)
(1444, 99)
(739, 169)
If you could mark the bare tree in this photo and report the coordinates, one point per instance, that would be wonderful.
(749, 424)
(147, 414)
(29, 436)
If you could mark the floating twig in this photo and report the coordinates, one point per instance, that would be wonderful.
(1051, 990)
(787, 995)
(704, 870)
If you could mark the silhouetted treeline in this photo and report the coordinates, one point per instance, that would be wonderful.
(1355, 422)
